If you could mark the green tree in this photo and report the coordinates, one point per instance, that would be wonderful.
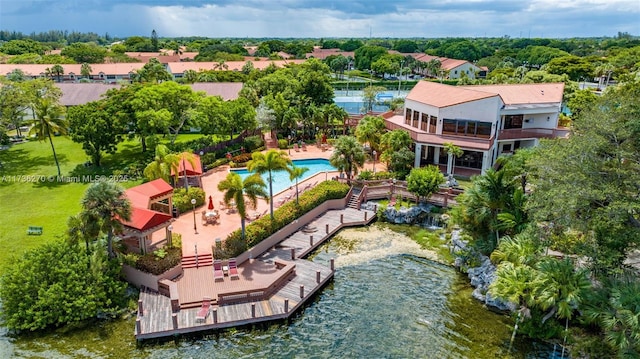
(58, 71)
(49, 120)
(347, 156)
(105, 203)
(24, 46)
(50, 286)
(85, 70)
(85, 52)
(393, 141)
(370, 130)
(424, 181)
(454, 152)
(14, 102)
(369, 96)
(91, 125)
(296, 173)
(163, 165)
(153, 71)
(236, 189)
(269, 162)
(154, 40)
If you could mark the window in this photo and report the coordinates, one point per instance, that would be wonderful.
(416, 117)
(506, 147)
(425, 122)
(466, 128)
(432, 124)
(513, 121)
(407, 117)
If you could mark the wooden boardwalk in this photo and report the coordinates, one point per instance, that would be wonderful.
(158, 320)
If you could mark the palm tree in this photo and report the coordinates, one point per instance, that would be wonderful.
(272, 161)
(454, 152)
(82, 228)
(236, 189)
(347, 156)
(57, 70)
(562, 290)
(105, 204)
(516, 284)
(514, 219)
(164, 163)
(370, 129)
(49, 119)
(85, 70)
(296, 173)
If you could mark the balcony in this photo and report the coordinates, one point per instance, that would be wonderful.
(524, 133)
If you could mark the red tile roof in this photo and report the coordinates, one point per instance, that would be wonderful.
(226, 90)
(74, 94)
(141, 195)
(144, 219)
(191, 171)
(516, 94)
(181, 67)
(441, 95)
(324, 53)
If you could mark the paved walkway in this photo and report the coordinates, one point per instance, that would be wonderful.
(204, 239)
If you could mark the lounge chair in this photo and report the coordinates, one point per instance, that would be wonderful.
(218, 273)
(295, 147)
(203, 313)
(304, 146)
(233, 269)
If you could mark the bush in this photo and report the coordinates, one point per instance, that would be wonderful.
(365, 175)
(58, 284)
(208, 159)
(159, 261)
(262, 228)
(182, 198)
(283, 144)
(252, 143)
(242, 158)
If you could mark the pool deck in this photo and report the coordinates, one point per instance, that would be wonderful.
(252, 298)
(265, 289)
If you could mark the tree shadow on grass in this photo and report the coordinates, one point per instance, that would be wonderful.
(20, 162)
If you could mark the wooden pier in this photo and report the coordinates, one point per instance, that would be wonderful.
(267, 289)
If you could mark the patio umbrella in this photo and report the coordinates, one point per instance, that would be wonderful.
(210, 202)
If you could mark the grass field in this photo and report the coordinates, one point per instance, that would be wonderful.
(30, 196)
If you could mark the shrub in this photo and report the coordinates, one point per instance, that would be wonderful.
(208, 159)
(262, 228)
(242, 158)
(252, 143)
(365, 175)
(182, 198)
(283, 144)
(159, 261)
(383, 175)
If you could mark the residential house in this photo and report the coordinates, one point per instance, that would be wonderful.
(108, 73)
(485, 121)
(452, 68)
(177, 69)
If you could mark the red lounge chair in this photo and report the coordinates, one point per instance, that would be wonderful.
(218, 273)
(233, 269)
(203, 313)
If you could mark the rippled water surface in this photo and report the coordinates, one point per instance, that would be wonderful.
(386, 301)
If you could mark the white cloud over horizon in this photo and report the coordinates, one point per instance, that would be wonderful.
(328, 18)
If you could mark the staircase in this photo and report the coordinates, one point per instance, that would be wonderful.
(202, 260)
(353, 201)
(270, 140)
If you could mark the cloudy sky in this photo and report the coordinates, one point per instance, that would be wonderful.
(326, 18)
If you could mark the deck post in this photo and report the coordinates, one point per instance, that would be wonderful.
(174, 319)
(327, 228)
(214, 314)
(365, 215)
(293, 253)
(140, 311)
(301, 290)
(317, 276)
(286, 305)
(333, 264)
(253, 310)
(341, 218)
(311, 241)
(138, 326)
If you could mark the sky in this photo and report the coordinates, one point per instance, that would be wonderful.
(327, 18)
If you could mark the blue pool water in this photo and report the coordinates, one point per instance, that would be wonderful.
(281, 180)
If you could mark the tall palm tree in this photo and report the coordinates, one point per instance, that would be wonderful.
(562, 290)
(269, 162)
(105, 203)
(164, 163)
(236, 189)
(49, 120)
(347, 156)
(85, 70)
(82, 227)
(296, 173)
(454, 152)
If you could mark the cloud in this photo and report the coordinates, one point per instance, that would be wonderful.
(326, 18)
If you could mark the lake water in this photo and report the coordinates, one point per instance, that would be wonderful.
(387, 300)
(281, 179)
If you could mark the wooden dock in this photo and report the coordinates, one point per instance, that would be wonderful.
(157, 319)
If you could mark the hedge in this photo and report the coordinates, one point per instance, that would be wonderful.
(262, 228)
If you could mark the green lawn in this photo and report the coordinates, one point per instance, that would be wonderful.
(26, 201)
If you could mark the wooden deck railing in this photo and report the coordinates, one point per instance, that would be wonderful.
(286, 271)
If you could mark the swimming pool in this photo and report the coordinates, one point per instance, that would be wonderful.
(281, 180)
